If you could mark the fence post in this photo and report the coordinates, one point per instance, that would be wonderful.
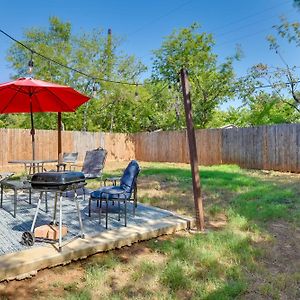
(192, 150)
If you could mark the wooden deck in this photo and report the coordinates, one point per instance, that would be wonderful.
(18, 261)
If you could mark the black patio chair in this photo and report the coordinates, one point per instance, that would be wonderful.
(118, 193)
(70, 159)
(92, 168)
(93, 163)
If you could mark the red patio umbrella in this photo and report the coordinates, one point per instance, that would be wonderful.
(27, 95)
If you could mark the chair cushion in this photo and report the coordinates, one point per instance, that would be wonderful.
(110, 192)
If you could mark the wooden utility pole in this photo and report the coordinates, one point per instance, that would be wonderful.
(192, 150)
(108, 54)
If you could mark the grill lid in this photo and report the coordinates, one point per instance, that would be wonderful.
(60, 180)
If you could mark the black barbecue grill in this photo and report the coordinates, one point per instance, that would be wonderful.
(57, 182)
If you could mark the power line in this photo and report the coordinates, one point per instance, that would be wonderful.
(159, 17)
(67, 67)
(244, 36)
(120, 82)
(221, 34)
(249, 16)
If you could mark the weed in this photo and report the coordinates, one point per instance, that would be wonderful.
(175, 277)
(84, 294)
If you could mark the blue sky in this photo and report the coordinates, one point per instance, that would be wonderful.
(144, 24)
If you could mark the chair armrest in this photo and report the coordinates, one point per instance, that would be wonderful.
(4, 176)
(112, 179)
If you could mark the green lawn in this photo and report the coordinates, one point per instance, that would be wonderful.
(251, 218)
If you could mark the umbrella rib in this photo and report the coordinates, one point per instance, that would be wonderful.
(59, 100)
(37, 102)
(17, 90)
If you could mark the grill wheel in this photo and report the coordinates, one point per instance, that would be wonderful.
(28, 238)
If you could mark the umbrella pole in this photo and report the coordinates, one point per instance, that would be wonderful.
(59, 127)
(32, 132)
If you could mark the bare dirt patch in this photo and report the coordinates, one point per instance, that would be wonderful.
(49, 281)
(55, 282)
(279, 276)
(285, 250)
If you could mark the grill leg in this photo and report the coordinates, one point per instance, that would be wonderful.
(60, 222)
(55, 209)
(37, 211)
(79, 215)
(90, 203)
(46, 202)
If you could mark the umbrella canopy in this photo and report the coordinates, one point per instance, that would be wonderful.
(27, 95)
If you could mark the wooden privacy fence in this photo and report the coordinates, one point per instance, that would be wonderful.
(265, 147)
(172, 146)
(274, 147)
(16, 145)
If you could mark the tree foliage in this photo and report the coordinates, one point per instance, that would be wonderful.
(211, 83)
(157, 104)
(93, 53)
(280, 82)
(263, 109)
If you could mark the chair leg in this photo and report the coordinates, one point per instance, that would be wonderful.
(135, 195)
(1, 195)
(133, 209)
(29, 196)
(15, 202)
(125, 213)
(106, 214)
(100, 213)
(90, 202)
